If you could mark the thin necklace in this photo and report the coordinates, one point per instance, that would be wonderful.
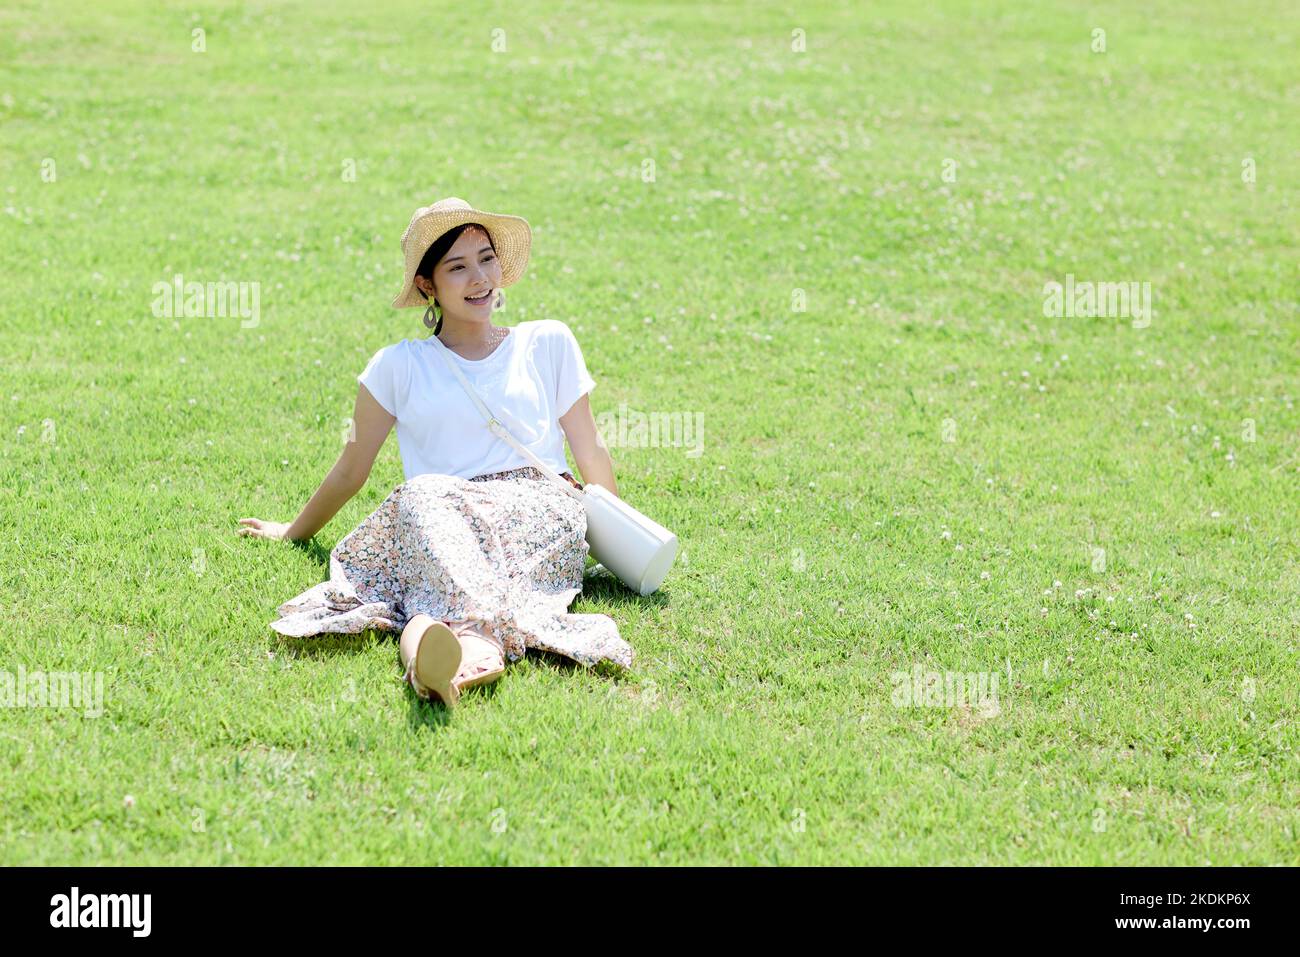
(494, 337)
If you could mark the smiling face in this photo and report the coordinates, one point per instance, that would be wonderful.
(465, 280)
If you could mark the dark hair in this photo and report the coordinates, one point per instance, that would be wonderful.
(433, 255)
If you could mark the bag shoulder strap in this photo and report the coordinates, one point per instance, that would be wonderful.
(494, 424)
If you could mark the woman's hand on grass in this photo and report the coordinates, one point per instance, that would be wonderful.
(256, 528)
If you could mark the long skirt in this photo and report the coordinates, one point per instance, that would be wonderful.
(505, 551)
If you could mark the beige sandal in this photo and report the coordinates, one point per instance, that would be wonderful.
(483, 660)
(434, 664)
(451, 657)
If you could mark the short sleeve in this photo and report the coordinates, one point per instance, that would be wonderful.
(380, 377)
(572, 380)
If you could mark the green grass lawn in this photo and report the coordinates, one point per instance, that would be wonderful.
(837, 256)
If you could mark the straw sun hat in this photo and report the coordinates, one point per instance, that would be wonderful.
(511, 236)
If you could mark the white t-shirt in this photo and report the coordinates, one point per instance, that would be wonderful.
(530, 380)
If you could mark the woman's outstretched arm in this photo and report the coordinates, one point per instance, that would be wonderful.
(588, 445)
(371, 424)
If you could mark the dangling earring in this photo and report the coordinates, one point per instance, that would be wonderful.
(435, 313)
(501, 299)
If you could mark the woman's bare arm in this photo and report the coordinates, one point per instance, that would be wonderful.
(588, 445)
(371, 424)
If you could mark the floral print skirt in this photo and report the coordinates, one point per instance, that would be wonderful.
(505, 551)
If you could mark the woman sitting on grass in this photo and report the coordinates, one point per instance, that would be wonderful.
(476, 556)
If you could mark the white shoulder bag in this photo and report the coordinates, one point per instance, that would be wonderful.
(635, 548)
